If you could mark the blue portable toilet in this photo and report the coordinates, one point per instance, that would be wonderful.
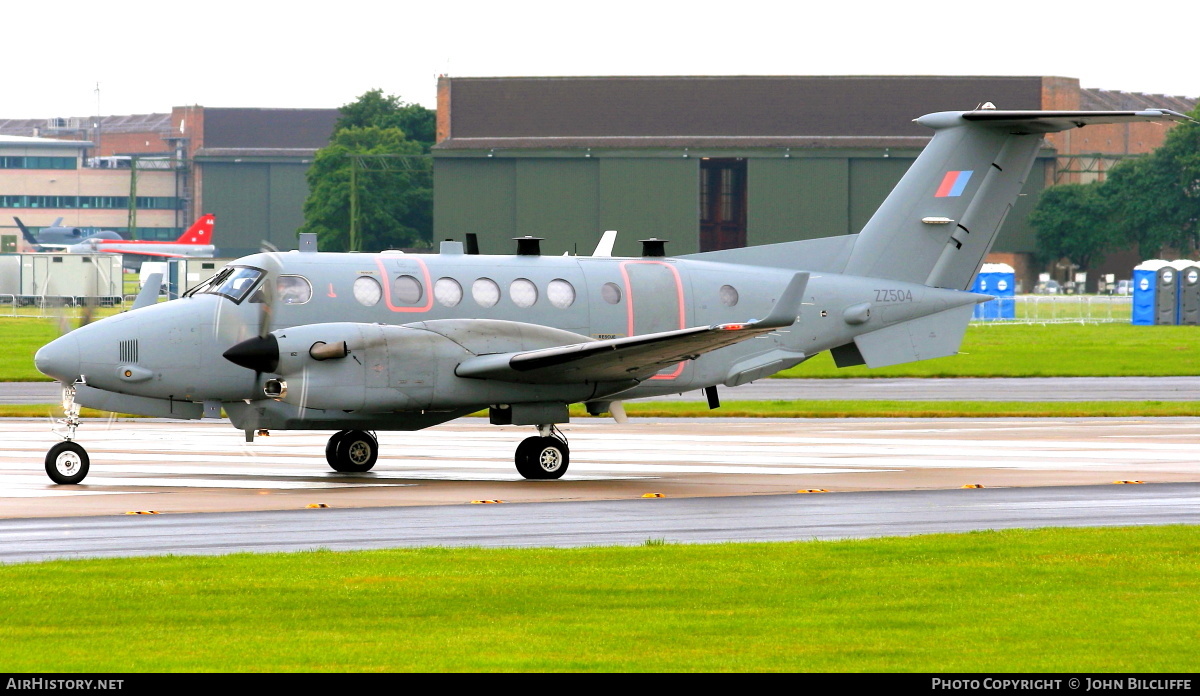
(998, 280)
(1145, 286)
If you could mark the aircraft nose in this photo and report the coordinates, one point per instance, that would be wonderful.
(59, 359)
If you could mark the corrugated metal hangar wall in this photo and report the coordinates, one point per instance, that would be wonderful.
(690, 159)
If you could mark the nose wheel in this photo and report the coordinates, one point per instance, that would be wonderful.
(67, 462)
(543, 457)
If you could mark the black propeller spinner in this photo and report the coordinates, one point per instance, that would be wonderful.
(260, 354)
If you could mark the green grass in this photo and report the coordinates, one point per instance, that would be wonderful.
(907, 409)
(1046, 350)
(810, 409)
(1051, 600)
(22, 338)
(1010, 350)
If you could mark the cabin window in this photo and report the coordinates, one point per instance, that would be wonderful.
(729, 295)
(611, 293)
(486, 292)
(448, 292)
(367, 291)
(293, 289)
(560, 293)
(407, 290)
(523, 292)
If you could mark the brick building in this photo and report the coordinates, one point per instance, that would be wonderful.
(246, 166)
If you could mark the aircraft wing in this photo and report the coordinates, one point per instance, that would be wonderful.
(137, 252)
(633, 357)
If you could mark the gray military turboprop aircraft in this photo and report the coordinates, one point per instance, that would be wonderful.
(56, 236)
(358, 343)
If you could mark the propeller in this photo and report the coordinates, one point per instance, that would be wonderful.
(260, 352)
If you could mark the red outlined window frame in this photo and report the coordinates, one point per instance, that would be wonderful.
(387, 285)
(629, 311)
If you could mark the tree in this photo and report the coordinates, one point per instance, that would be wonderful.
(371, 188)
(1072, 221)
(394, 198)
(374, 108)
(1155, 199)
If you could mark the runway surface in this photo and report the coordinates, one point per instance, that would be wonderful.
(625, 522)
(958, 389)
(718, 479)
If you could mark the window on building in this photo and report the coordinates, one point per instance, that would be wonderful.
(722, 203)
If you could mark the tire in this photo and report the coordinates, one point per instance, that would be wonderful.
(67, 463)
(542, 458)
(331, 448)
(355, 452)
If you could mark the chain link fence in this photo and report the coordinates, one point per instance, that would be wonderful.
(1065, 309)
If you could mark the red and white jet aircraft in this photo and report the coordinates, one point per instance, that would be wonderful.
(195, 242)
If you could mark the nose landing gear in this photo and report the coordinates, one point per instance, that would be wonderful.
(67, 462)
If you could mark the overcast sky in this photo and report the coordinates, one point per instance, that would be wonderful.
(150, 56)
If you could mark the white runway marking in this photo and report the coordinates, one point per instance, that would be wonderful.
(133, 456)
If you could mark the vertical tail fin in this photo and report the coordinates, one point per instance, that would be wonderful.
(200, 232)
(27, 244)
(938, 224)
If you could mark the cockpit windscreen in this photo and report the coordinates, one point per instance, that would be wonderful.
(234, 282)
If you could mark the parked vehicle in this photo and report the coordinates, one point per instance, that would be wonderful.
(1047, 287)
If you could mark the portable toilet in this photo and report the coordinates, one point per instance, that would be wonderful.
(1145, 287)
(999, 280)
(1189, 291)
(1166, 296)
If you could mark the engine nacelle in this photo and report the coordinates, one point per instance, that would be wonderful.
(354, 367)
(379, 368)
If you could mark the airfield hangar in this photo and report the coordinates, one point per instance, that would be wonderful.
(717, 162)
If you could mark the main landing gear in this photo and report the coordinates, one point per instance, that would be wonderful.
(544, 456)
(352, 451)
(67, 462)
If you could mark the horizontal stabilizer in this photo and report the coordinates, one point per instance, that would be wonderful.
(933, 336)
(1025, 122)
